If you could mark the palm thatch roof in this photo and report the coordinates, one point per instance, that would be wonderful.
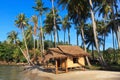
(64, 51)
(72, 50)
(54, 53)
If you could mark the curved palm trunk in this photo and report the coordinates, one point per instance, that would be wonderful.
(24, 55)
(83, 39)
(102, 62)
(54, 21)
(94, 26)
(28, 56)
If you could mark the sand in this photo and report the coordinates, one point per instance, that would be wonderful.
(39, 74)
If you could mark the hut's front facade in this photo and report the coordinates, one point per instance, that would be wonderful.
(66, 57)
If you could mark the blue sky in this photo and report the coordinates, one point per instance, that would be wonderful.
(9, 9)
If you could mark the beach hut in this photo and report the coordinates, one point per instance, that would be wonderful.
(66, 56)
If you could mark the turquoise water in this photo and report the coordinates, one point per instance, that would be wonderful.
(10, 72)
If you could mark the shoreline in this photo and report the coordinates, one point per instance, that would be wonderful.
(12, 63)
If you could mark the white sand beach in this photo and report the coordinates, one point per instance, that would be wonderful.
(37, 74)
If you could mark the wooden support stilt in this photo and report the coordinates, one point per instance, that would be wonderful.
(56, 67)
(66, 66)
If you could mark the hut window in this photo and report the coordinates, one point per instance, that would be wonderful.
(75, 60)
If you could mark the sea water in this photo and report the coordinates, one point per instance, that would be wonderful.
(8, 72)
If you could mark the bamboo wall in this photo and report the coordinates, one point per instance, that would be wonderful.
(70, 63)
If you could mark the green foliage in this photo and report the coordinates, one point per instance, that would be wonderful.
(112, 56)
(6, 52)
(10, 53)
(48, 44)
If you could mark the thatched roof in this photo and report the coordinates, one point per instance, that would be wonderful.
(54, 53)
(73, 50)
(64, 51)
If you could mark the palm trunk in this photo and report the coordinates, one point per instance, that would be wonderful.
(118, 38)
(28, 56)
(104, 38)
(54, 20)
(113, 39)
(24, 55)
(118, 42)
(77, 38)
(93, 57)
(94, 26)
(113, 43)
(102, 62)
(51, 37)
(58, 36)
(83, 39)
(34, 42)
(69, 35)
(34, 47)
(64, 37)
(38, 44)
(42, 41)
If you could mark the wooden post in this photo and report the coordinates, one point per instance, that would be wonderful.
(66, 66)
(56, 67)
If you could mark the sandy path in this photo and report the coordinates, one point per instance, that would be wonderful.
(36, 74)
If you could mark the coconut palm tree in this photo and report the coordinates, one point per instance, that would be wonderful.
(113, 5)
(103, 31)
(41, 9)
(89, 40)
(49, 25)
(78, 12)
(64, 29)
(109, 8)
(103, 63)
(83, 7)
(12, 37)
(21, 23)
(77, 34)
(54, 21)
(35, 21)
(104, 9)
(94, 26)
(112, 28)
(66, 25)
(29, 36)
